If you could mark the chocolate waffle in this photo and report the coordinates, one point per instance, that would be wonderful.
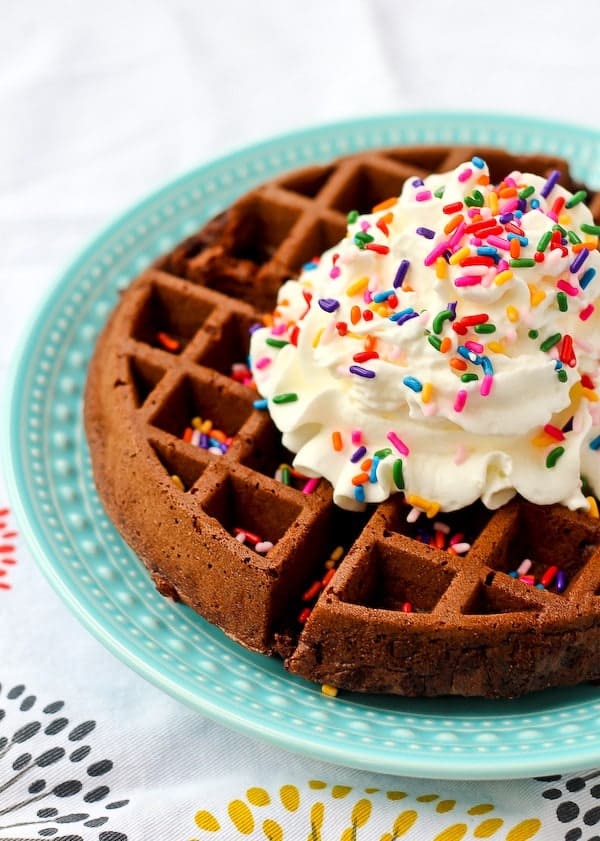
(197, 481)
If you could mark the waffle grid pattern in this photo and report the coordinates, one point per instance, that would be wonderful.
(206, 294)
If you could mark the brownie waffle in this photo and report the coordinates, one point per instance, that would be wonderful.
(197, 481)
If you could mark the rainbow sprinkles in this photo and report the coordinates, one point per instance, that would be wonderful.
(448, 347)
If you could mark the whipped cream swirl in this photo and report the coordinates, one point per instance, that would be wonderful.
(448, 347)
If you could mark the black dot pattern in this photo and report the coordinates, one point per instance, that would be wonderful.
(40, 736)
(574, 796)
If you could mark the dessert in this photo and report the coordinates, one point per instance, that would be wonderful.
(495, 599)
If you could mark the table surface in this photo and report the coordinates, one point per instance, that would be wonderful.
(101, 105)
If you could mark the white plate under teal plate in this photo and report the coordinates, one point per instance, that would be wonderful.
(103, 583)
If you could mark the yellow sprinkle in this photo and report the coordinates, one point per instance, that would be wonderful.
(206, 426)
(380, 309)
(492, 201)
(593, 509)
(542, 439)
(589, 394)
(536, 296)
(441, 268)
(330, 691)
(496, 347)
(459, 255)
(357, 286)
(512, 313)
(426, 392)
(177, 482)
(317, 338)
(197, 423)
(337, 553)
(429, 506)
(590, 242)
(564, 219)
(503, 277)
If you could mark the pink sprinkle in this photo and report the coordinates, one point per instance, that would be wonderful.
(476, 241)
(457, 235)
(473, 211)
(456, 538)
(461, 454)
(468, 280)
(263, 362)
(368, 296)
(510, 181)
(568, 287)
(461, 399)
(503, 265)
(510, 205)
(398, 443)
(437, 252)
(486, 385)
(476, 347)
(552, 215)
(356, 437)
(524, 567)
(465, 175)
(424, 195)
(310, 486)
(365, 225)
(335, 272)
(413, 515)
(586, 312)
(461, 548)
(278, 329)
(499, 242)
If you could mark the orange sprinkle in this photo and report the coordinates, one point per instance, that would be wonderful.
(515, 248)
(355, 314)
(327, 577)
(453, 223)
(360, 479)
(445, 345)
(366, 465)
(383, 205)
(370, 342)
(168, 342)
(483, 179)
(507, 192)
(218, 435)
(336, 440)
(187, 435)
(458, 364)
(387, 217)
(579, 246)
(268, 319)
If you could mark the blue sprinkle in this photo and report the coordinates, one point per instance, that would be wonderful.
(558, 365)
(413, 383)
(379, 297)
(359, 493)
(513, 573)
(358, 454)
(425, 232)
(469, 355)
(595, 443)
(488, 251)
(478, 162)
(519, 213)
(540, 586)
(401, 313)
(535, 203)
(587, 277)
(522, 240)
(261, 404)
(373, 471)
(486, 365)
(401, 273)
(309, 266)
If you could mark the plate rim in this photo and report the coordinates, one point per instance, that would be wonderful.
(460, 767)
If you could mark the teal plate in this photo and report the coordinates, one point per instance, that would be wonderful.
(50, 483)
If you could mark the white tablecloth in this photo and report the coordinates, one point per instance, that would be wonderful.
(100, 104)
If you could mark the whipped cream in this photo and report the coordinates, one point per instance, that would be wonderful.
(448, 347)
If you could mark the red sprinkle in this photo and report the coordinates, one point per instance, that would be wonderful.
(549, 576)
(377, 247)
(455, 207)
(365, 355)
(407, 607)
(554, 432)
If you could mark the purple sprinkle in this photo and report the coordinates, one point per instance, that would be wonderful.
(329, 304)
(403, 319)
(362, 372)
(522, 205)
(255, 327)
(204, 441)
(552, 181)
(560, 582)
(579, 261)
(506, 217)
(426, 232)
(452, 307)
(358, 454)
(417, 182)
(401, 273)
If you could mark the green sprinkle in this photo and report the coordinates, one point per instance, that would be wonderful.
(277, 342)
(576, 198)
(485, 328)
(435, 342)
(522, 263)
(286, 476)
(533, 334)
(557, 227)
(553, 456)
(381, 454)
(526, 192)
(398, 474)
(475, 199)
(361, 238)
(438, 321)
(289, 397)
(544, 241)
(562, 375)
(590, 229)
(562, 301)
(352, 217)
(468, 378)
(552, 340)
(439, 192)
(573, 238)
